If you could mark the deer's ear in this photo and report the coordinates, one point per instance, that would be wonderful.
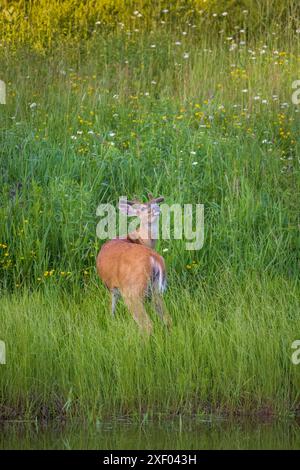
(159, 199)
(126, 208)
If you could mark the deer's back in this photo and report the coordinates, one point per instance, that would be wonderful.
(122, 264)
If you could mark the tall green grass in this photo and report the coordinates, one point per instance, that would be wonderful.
(78, 131)
(229, 351)
(200, 118)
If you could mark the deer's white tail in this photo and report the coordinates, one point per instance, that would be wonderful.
(158, 278)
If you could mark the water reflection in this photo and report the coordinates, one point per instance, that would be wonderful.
(171, 434)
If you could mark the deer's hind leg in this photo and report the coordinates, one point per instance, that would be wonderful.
(161, 308)
(115, 294)
(136, 307)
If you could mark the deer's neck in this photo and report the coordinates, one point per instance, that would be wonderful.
(145, 235)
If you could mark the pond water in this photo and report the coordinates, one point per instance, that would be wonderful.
(171, 434)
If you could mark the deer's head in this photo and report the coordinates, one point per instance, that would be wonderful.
(148, 214)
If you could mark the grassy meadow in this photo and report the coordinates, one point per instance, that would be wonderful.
(109, 101)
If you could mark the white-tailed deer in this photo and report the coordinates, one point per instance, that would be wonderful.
(129, 266)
